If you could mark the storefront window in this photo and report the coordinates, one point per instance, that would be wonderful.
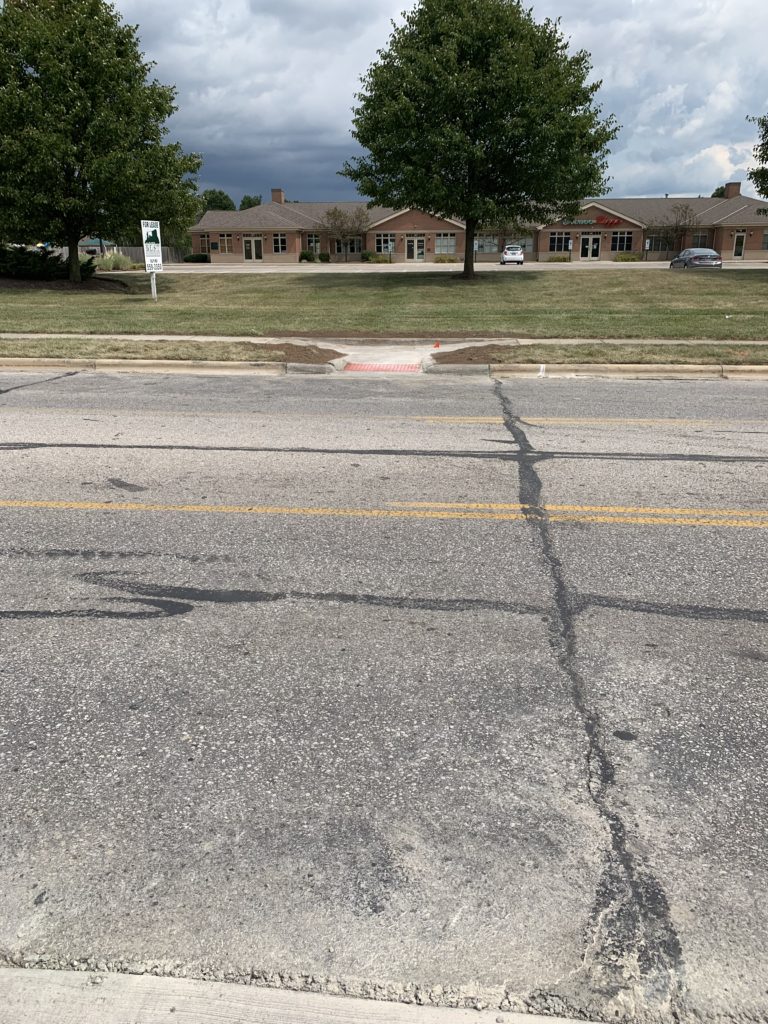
(558, 241)
(487, 243)
(385, 243)
(225, 243)
(621, 241)
(445, 242)
(313, 243)
(279, 243)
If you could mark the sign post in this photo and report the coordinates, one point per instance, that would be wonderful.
(153, 252)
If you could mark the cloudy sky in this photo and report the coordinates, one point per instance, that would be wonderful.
(265, 87)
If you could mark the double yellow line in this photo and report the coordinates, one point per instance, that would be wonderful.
(493, 511)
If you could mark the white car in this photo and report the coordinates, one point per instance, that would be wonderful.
(512, 254)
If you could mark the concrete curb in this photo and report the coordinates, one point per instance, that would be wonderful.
(475, 369)
(309, 368)
(629, 371)
(58, 997)
(623, 371)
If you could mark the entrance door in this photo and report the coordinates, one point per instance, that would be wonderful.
(414, 247)
(252, 249)
(738, 245)
(590, 247)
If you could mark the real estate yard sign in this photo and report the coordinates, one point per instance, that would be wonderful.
(153, 251)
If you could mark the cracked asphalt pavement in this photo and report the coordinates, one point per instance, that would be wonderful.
(448, 690)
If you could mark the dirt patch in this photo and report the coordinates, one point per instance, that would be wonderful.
(476, 354)
(296, 353)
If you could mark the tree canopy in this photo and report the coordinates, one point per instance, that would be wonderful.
(82, 128)
(475, 111)
(216, 199)
(759, 175)
(345, 225)
(248, 201)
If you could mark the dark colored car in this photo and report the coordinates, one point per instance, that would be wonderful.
(697, 259)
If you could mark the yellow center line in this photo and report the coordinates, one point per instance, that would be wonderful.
(623, 509)
(503, 513)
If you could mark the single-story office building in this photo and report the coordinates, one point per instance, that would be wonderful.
(605, 229)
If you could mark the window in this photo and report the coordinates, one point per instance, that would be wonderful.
(765, 239)
(351, 245)
(621, 241)
(486, 243)
(385, 243)
(279, 243)
(445, 242)
(658, 243)
(700, 240)
(559, 241)
(205, 243)
(313, 243)
(225, 243)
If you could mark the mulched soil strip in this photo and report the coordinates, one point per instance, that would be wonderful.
(299, 353)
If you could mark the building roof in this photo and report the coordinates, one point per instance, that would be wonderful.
(739, 211)
(283, 216)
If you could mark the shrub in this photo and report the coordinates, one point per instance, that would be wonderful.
(379, 257)
(39, 264)
(324, 257)
(366, 256)
(628, 257)
(306, 256)
(115, 261)
(443, 258)
(197, 257)
(559, 259)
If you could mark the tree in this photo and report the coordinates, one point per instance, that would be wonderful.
(674, 229)
(345, 225)
(248, 201)
(759, 175)
(216, 199)
(719, 192)
(82, 129)
(476, 112)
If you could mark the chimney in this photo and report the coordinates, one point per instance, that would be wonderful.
(278, 196)
(732, 189)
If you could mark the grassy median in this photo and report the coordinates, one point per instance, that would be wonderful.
(622, 303)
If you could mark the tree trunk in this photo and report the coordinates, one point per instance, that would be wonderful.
(469, 250)
(74, 257)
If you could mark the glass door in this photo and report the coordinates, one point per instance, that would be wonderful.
(590, 247)
(415, 247)
(738, 245)
(252, 248)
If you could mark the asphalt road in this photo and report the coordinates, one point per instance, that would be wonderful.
(438, 688)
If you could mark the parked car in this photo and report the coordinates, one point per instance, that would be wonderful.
(512, 254)
(697, 259)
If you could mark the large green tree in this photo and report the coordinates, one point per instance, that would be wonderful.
(759, 175)
(216, 199)
(82, 128)
(477, 112)
(249, 201)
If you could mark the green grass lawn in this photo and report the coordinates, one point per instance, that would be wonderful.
(621, 303)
